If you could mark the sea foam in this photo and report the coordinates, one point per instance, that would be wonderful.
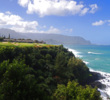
(105, 93)
(93, 53)
(76, 53)
(86, 62)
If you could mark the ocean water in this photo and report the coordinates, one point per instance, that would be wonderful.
(97, 58)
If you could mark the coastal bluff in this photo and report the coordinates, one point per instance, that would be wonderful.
(44, 72)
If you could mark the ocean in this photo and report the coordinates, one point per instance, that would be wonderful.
(97, 58)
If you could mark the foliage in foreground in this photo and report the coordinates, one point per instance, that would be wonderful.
(18, 83)
(74, 91)
(33, 73)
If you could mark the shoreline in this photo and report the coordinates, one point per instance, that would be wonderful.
(96, 81)
(99, 79)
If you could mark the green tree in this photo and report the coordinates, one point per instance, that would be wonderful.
(61, 67)
(9, 36)
(1, 39)
(79, 69)
(18, 82)
(73, 91)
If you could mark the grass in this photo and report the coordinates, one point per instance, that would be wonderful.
(16, 44)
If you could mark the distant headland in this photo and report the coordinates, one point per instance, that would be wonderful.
(48, 38)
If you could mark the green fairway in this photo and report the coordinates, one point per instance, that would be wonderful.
(16, 44)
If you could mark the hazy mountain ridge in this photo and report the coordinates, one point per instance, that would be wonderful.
(59, 39)
(13, 34)
(48, 38)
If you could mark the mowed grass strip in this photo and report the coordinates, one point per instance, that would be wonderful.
(16, 44)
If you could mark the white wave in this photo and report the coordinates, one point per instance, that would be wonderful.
(86, 62)
(105, 93)
(93, 53)
(76, 53)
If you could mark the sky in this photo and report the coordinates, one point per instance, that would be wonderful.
(89, 19)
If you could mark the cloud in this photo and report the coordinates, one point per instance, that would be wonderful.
(53, 30)
(8, 12)
(17, 23)
(94, 8)
(23, 3)
(56, 7)
(101, 22)
(84, 11)
(98, 23)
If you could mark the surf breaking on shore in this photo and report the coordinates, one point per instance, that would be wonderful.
(105, 92)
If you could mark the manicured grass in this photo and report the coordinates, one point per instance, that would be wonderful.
(16, 44)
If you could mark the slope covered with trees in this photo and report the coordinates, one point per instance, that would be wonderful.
(43, 73)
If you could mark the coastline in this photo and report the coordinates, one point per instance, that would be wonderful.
(103, 84)
(93, 80)
(98, 79)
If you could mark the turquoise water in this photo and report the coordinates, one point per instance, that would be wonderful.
(96, 57)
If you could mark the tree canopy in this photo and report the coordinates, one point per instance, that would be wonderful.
(43, 73)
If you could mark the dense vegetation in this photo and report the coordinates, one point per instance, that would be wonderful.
(43, 73)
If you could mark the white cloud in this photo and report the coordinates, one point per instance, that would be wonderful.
(84, 11)
(98, 23)
(56, 7)
(101, 22)
(23, 3)
(17, 23)
(53, 30)
(8, 12)
(94, 8)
